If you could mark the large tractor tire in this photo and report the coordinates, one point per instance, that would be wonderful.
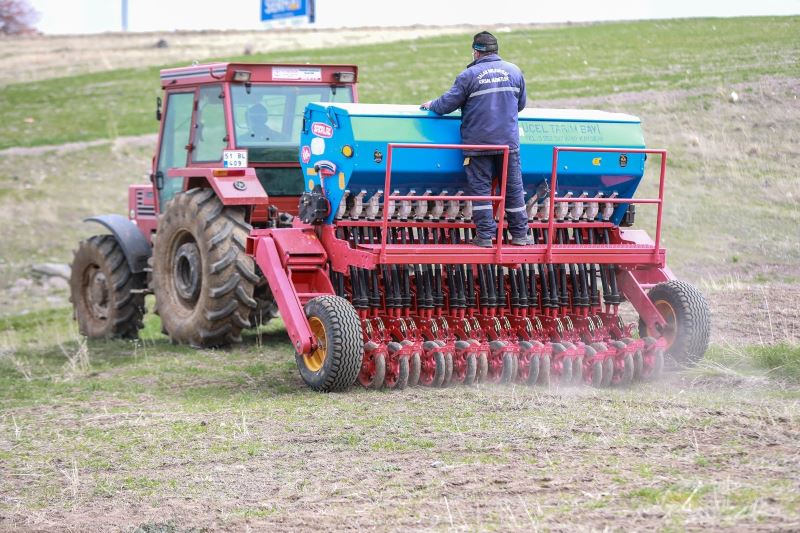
(105, 294)
(266, 306)
(335, 363)
(688, 321)
(202, 279)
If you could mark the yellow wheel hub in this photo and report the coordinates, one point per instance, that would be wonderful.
(668, 312)
(316, 358)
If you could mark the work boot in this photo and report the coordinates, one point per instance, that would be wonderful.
(483, 243)
(525, 240)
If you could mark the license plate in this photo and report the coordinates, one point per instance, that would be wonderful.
(234, 158)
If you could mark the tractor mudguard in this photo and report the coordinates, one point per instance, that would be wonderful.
(232, 186)
(134, 245)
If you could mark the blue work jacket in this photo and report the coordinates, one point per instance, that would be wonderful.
(490, 93)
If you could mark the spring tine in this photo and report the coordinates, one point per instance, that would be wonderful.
(576, 211)
(562, 208)
(453, 206)
(421, 206)
(466, 211)
(608, 208)
(374, 205)
(405, 206)
(342, 207)
(390, 208)
(358, 205)
(438, 207)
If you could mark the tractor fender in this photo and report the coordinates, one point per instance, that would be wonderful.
(241, 187)
(134, 245)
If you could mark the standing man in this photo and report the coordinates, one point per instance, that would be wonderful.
(490, 93)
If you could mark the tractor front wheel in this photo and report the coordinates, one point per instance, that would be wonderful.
(105, 294)
(202, 279)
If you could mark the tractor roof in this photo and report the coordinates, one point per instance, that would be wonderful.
(292, 74)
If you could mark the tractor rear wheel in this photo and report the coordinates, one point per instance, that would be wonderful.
(103, 290)
(335, 362)
(688, 320)
(266, 306)
(202, 279)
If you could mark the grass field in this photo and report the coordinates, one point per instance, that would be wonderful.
(148, 435)
(562, 62)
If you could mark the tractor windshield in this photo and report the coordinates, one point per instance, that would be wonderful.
(268, 118)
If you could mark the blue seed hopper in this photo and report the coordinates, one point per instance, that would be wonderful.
(345, 146)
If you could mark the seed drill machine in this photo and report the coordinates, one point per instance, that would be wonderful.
(273, 191)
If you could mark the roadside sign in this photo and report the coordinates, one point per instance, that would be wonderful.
(281, 9)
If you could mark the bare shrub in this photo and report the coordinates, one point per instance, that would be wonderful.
(17, 17)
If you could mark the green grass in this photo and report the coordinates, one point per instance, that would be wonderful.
(781, 360)
(558, 62)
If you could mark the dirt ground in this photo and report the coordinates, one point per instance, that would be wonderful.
(194, 452)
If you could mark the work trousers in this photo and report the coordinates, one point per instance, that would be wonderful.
(480, 170)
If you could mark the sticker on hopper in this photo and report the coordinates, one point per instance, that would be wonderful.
(305, 154)
(317, 146)
(320, 129)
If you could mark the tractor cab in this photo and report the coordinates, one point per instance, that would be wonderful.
(236, 115)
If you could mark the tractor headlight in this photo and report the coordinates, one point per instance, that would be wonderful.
(241, 76)
(345, 77)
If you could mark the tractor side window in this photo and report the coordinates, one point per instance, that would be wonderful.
(210, 135)
(312, 94)
(175, 137)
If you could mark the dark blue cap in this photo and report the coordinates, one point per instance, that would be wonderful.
(484, 42)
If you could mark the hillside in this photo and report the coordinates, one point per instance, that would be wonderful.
(147, 436)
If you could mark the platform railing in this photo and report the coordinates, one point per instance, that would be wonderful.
(388, 197)
(554, 183)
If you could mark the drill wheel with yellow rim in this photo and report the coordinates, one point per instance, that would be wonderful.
(688, 321)
(334, 361)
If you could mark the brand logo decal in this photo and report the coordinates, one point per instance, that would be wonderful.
(623, 160)
(320, 129)
(305, 154)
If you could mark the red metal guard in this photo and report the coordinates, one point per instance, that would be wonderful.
(389, 198)
(554, 183)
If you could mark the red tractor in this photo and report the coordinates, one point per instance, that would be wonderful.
(228, 133)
